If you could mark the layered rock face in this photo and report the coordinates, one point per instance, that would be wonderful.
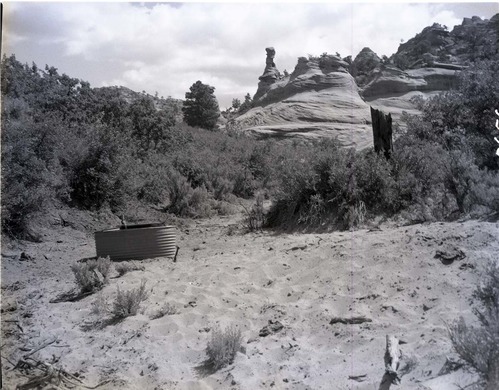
(429, 64)
(319, 99)
(329, 97)
(270, 74)
(436, 47)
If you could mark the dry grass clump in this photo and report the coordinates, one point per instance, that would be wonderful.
(92, 275)
(100, 306)
(223, 346)
(479, 345)
(127, 303)
(167, 310)
(123, 268)
(255, 216)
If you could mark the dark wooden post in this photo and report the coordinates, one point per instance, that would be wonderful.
(382, 132)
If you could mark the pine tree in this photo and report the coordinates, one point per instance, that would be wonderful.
(201, 107)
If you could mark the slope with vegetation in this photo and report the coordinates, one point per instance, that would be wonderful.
(67, 146)
(65, 143)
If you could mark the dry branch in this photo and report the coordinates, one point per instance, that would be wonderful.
(51, 374)
(392, 363)
(39, 348)
(349, 321)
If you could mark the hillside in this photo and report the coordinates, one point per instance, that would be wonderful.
(313, 251)
(327, 96)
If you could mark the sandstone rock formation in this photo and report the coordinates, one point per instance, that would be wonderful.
(363, 64)
(270, 74)
(327, 96)
(319, 99)
(437, 47)
(391, 89)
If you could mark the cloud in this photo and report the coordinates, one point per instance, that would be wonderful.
(167, 47)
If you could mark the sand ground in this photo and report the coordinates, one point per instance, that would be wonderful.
(226, 277)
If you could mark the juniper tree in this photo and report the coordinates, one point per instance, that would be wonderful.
(201, 106)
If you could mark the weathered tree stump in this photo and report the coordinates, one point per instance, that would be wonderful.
(392, 362)
(382, 132)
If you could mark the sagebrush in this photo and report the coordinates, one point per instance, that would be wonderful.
(255, 217)
(479, 345)
(223, 346)
(127, 303)
(91, 275)
(124, 267)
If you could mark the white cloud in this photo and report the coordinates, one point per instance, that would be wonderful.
(165, 48)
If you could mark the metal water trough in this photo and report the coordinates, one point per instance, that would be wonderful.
(135, 242)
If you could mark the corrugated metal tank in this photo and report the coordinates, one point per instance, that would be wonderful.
(136, 242)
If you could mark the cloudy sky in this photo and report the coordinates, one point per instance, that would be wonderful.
(166, 47)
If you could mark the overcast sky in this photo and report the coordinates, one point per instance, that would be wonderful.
(166, 47)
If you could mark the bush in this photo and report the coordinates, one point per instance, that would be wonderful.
(104, 174)
(154, 174)
(222, 347)
(180, 193)
(479, 345)
(255, 216)
(356, 214)
(100, 306)
(123, 268)
(92, 275)
(340, 185)
(201, 203)
(102, 264)
(29, 174)
(186, 201)
(127, 303)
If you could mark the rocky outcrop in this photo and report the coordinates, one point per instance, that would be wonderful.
(309, 74)
(431, 42)
(319, 99)
(270, 74)
(364, 64)
(392, 89)
(327, 96)
(390, 81)
(436, 46)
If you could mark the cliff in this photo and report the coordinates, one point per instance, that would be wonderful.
(328, 96)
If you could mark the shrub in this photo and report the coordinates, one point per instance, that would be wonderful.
(255, 216)
(401, 61)
(340, 185)
(356, 214)
(123, 268)
(92, 275)
(223, 346)
(127, 303)
(100, 306)
(105, 173)
(479, 345)
(29, 175)
(180, 193)
(186, 201)
(155, 174)
(225, 208)
(102, 264)
(200, 203)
